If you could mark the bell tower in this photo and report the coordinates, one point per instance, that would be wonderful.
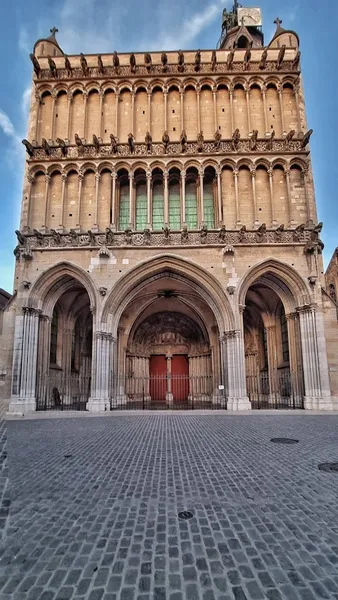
(241, 28)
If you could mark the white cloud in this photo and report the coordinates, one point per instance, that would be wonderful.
(25, 103)
(15, 149)
(169, 38)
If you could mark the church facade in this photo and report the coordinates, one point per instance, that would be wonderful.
(168, 250)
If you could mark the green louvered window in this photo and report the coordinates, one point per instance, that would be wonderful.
(124, 207)
(191, 204)
(209, 210)
(158, 206)
(174, 206)
(141, 206)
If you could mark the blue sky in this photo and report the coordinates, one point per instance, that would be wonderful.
(106, 25)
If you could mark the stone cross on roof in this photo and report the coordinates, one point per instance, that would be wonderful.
(54, 30)
(278, 22)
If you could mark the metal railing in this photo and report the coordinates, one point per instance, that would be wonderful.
(282, 390)
(62, 391)
(177, 392)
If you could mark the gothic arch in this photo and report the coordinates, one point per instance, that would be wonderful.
(43, 294)
(203, 283)
(283, 279)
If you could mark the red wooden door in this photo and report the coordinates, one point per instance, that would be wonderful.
(158, 381)
(180, 378)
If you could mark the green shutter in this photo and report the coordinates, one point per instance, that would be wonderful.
(124, 208)
(158, 206)
(209, 211)
(141, 207)
(191, 204)
(174, 206)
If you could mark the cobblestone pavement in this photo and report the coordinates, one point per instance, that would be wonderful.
(94, 506)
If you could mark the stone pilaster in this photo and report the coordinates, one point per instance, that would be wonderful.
(317, 391)
(100, 398)
(25, 362)
(235, 365)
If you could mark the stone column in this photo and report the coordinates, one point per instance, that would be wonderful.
(169, 395)
(96, 215)
(272, 362)
(182, 108)
(43, 358)
(37, 124)
(312, 383)
(101, 96)
(219, 196)
(100, 399)
(52, 128)
(117, 96)
(214, 100)
(265, 109)
(85, 118)
(47, 180)
(166, 197)
(198, 97)
(296, 90)
(201, 219)
(295, 356)
(133, 112)
(30, 179)
(149, 111)
(165, 98)
(310, 213)
(231, 97)
(25, 362)
(80, 177)
(69, 113)
(254, 199)
(183, 176)
(247, 95)
(149, 219)
(272, 201)
(281, 106)
(63, 193)
(288, 187)
(131, 203)
(237, 397)
(113, 197)
(235, 174)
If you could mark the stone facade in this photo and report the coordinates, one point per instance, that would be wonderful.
(168, 211)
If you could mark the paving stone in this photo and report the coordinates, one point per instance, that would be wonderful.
(103, 525)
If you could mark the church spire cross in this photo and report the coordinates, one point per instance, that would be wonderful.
(54, 30)
(278, 22)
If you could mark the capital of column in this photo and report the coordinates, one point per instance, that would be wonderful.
(270, 172)
(242, 308)
(69, 95)
(103, 335)
(235, 172)
(29, 310)
(30, 178)
(130, 175)
(280, 88)
(113, 175)
(201, 171)
(292, 316)
(85, 94)
(47, 179)
(231, 335)
(253, 172)
(149, 174)
(306, 309)
(54, 94)
(63, 177)
(101, 93)
(165, 174)
(45, 318)
(80, 175)
(183, 174)
(37, 96)
(97, 176)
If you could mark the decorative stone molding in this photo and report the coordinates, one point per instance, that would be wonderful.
(89, 150)
(231, 290)
(36, 240)
(103, 291)
(135, 71)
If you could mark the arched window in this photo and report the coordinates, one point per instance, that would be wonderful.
(208, 198)
(191, 199)
(174, 202)
(141, 206)
(53, 338)
(285, 339)
(243, 42)
(332, 291)
(158, 200)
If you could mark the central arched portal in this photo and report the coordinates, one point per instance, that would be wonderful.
(167, 325)
(169, 357)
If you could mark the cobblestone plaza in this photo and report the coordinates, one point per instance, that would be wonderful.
(95, 503)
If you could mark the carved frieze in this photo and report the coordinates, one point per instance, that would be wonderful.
(86, 151)
(38, 241)
(170, 69)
